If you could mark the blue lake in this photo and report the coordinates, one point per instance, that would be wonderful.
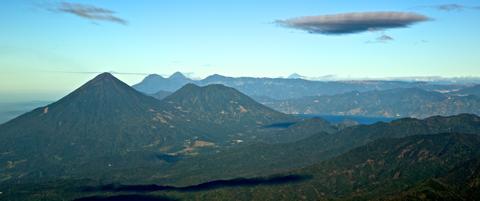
(339, 118)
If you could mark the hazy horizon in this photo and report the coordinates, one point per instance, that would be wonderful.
(79, 78)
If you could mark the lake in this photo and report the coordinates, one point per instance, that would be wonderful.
(340, 118)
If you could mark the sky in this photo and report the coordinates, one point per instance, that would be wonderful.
(48, 48)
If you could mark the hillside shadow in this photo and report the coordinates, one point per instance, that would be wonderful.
(126, 198)
(167, 158)
(239, 182)
(280, 125)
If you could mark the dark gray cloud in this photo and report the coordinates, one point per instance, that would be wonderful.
(88, 12)
(348, 23)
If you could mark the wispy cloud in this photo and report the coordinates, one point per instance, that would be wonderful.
(349, 23)
(94, 72)
(384, 38)
(452, 7)
(89, 12)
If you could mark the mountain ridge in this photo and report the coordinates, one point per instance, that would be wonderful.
(283, 88)
(400, 102)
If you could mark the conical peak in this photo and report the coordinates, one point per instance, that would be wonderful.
(295, 76)
(105, 75)
(103, 90)
(215, 94)
(177, 75)
(153, 76)
(216, 87)
(189, 88)
(210, 87)
(215, 76)
(103, 78)
(102, 85)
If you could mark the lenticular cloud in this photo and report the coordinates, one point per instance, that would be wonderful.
(348, 23)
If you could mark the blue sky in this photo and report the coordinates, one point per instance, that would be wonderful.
(234, 38)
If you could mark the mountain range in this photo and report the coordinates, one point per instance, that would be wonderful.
(282, 88)
(108, 141)
(105, 123)
(471, 90)
(154, 83)
(295, 95)
(399, 102)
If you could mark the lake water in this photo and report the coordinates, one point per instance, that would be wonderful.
(340, 118)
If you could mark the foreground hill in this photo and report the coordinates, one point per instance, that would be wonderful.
(360, 162)
(263, 158)
(377, 170)
(460, 183)
(401, 102)
(421, 167)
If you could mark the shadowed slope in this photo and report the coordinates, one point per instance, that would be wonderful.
(384, 167)
(258, 159)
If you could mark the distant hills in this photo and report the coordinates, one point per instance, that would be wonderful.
(154, 83)
(281, 88)
(295, 95)
(399, 102)
(471, 90)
